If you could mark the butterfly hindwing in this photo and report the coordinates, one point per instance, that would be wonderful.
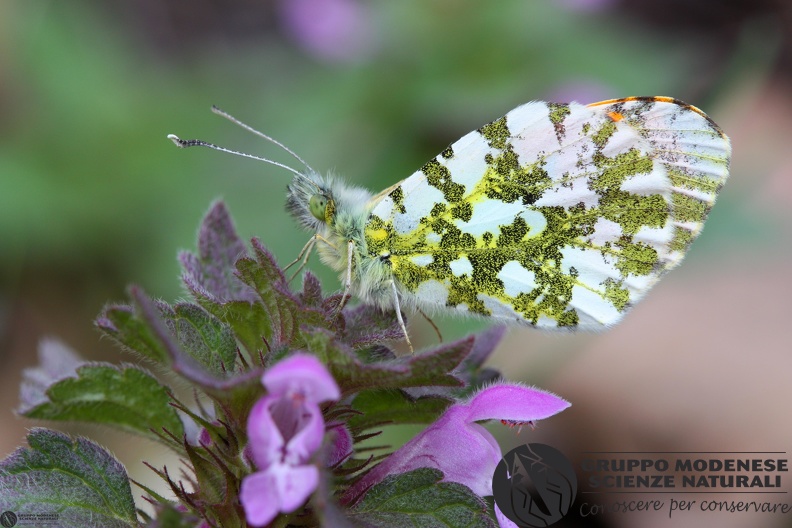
(554, 215)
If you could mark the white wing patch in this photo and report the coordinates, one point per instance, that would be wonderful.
(554, 215)
(516, 279)
(461, 266)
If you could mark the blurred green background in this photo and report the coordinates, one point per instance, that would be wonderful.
(94, 197)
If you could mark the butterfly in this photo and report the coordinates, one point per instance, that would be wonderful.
(556, 216)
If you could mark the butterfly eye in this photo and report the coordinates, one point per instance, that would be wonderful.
(318, 207)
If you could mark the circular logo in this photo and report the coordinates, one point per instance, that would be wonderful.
(8, 519)
(534, 485)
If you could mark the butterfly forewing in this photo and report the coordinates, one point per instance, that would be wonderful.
(554, 215)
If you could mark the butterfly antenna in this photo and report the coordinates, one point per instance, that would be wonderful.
(184, 143)
(249, 128)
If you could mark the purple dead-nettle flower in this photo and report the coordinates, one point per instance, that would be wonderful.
(339, 31)
(285, 428)
(459, 447)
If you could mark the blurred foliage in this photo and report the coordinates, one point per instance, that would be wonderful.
(93, 196)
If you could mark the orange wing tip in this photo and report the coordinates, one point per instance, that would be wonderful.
(656, 99)
(650, 98)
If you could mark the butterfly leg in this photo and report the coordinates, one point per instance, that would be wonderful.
(348, 279)
(305, 254)
(397, 307)
(429, 319)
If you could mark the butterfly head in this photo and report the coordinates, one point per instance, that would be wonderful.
(310, 200)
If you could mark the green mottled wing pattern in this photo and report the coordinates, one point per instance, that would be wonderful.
(554, 215)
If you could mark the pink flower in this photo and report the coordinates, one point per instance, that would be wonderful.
(331, 30)
(285, 428)
(459, 447)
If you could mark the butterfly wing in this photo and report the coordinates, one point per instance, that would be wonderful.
(554, 215)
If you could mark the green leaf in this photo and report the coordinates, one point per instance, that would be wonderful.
(430, 367)
(169, 517)
(267, 279)
(212, 479)
(418, 498)
(76, 479)
(470, 370)
(124, 325)
(124, 397)
(202, 337)
(248, 320)
(379, 407)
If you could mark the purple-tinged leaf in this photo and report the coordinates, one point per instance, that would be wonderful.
(56, 362)
(202, 336)
(125, 326)
(367, 325)
(280, 306)
(470, 369)
(77, 480)
(312, 291)
(235, 395)
(125, 397)
(210, 274)
(277, 310)
(352, 375)
(169, 516)
(213, 478)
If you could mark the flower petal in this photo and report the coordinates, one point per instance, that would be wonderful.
(279, 488)
(308, 438)
(295, 485)
(463, 450)
(264, 438)
(304, 374)
(259, 498)
(503, 521)
(265, 435)
(515, 403)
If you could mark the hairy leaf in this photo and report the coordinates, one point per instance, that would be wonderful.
(380, 407)
(124, 397)
(202, 336)
(77, 479)
(470, 370)
(211, 273)
(417, 498)
(353, 375)
(125, 326)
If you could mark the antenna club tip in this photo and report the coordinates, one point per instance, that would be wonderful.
(176, 141)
